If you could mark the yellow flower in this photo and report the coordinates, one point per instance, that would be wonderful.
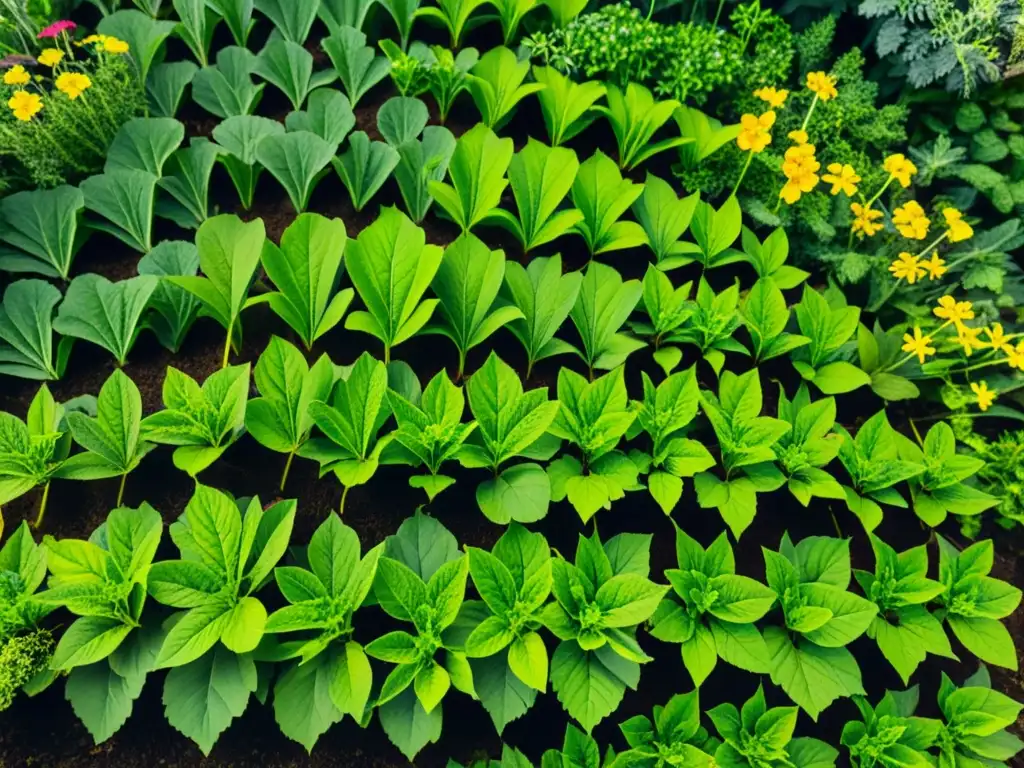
(798, 137)
(842, 178)
(936, 266)
(918, 344)
(51, 57)
(968, 339)
(754, 136)
(822, 84)
(16, 75)
(911, 221)
(93, 39)
(800, 168)
(864, 221)
(997, 339)
(985, 395)
(775, 97)
(1015, 356)
(114, 45)
(907, 267)
(900, 168)
(74, 84)
(959, 229)
(954, 311)
(25, 105)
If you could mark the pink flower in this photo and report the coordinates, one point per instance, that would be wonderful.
(56, 28)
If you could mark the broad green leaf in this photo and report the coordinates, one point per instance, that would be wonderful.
(603, 196)
(144, 144)
(328, 114)
(635, 117)
(40, 228)
(664, 217)
(144, 34)
(166, 85)
(812, 676)
(357, 64)
(104, 313)
(240, 135)
(601, 309)
(289, 67)
(477, 173)
(298, 161)
(364, 167)
(567, 106)
(227, 89)
(497, 85)
(26, 332)
(303, 706)
(124, 198)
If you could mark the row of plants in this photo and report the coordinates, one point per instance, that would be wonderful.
(206, 621)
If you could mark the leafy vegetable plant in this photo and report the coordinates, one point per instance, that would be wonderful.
(604, 302)
(364, 167)
(227, 89)
(665, 218)
(240, 135)
(497, 85)
(975, 721)
(809, 445)
(567, 107)
(889, 733)
(635, 117)
(828, 330)
(454, 15)
(477, 173)
(674, 733)
(289, 67)
(40, 227)
(124, 200)
(298, 160)
(26, 332)
(602, 195)
(356, 63)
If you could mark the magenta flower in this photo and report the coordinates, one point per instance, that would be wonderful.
(56, 28)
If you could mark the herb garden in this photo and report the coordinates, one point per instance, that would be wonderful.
(511, 383)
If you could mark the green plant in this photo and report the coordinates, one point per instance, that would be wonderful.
(281, 417)
(449, 76)
(599, 601)
(635, 117)
(227, 89)
(237, 14)
(432, 430)
(124, 199)
(711, 611)
(466, 285)
(322, 600)
(166, 86)
(604, 302)
(202, 421)
(144, 144)
(289, 67)
(578, 748)
(593, 416)
(602, 195)
(1002, 476)
(298, 160)
(239, 136)
(665, 219)
(26, 332)
(364, 167)
(674, 735)
(809, 657)
(667, 309)
(713, 319)
(229, 252)
(758, 736)
(905, 630)
(828, 329)
(567, 107)
(188, 184)
(391, 268)
(424, 152)
(889, 734)
(766, 316)
(356, 63)
(404, 14)
(477, 174)
(768, 258)
(220, 621)
(291, 18)
(454, 15)
(976, 719)
(497, 85)
(974, 602)
(510, 423)
(41, 229)
(409, 70)
(809, 446)
(328, 114)
(196, 27)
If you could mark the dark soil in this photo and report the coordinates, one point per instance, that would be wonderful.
(44, 731)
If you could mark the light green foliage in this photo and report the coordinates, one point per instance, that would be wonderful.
(467, 284)
(568, 107)
(237, 14)
(828, 328)
(356, 63)
(713, 321)
(202, 421)
(497, 85)
(511, 14)
(635, 117)
(665, 414)
(289, 67)
(976, 721)
(809, 658)
(449, 76)
(40, 229)
(391, 268)
(404, 14)
(23, 567)
(240, 135)
(604, 302)
(768, 258)
(409, 70)
(291, 18)
(880, 355)
(545, 297)
(890, 734)
(873, 462)
(22, 658)
(453, 15)
(124, 199)
(593, 416)
(226, 556)
(766, 316)
(227, 89)
(112, 439)
(196, 27)
(758, 737)
(229, 252)
(603, 196)
(940, 489)
(711, 611)
(510, 423)
(298, 160)
(668, 308)
(673, 735)
(477, 174)
(328, 114)
(664, 218)
(1001, 475)
(350, 420)
(280, 418)
(905, 630)
(144, 34)
(541, 177)
(747, 442)
(809, 446)
(26, 332)
(104, 313)
(433, 430)
(306, 270)
(600, 600)
(974, 602)
(322, 600)
(715, 232)
(708, 134)
(144, 144)
(338, 13)
(364, 167)
(578, 748)
(187, 181)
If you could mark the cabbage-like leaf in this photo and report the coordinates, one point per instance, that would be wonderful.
(298, 161)
(328, 114)
(289, 67)
(364, 167)
(166, 86)
(39, 230)
(240, 135)
(26, 332)
(358, 65)
(144, 34)
(227, 89)
(125, 201)
(144, 144)
(477, 174)
(292, 18)
(172, 309)
(188, 182)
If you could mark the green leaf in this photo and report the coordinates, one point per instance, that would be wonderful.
(520, 493)
(356, 63)
(567, 107)
(240, 135)
(587, 687)
(408, 725)
(227, 89)
(293, 19)
(812, 676)
(501, 692)
(144, 34)
(986, 638)
(41, 226)
(635, 117)
(663, 216)
(173, 310)
(604, 303)
(237, 14)
(497, 86)
(104, 313)
(144, 144)
(477, 174)
(603, 196)
(328, 114)
(26, 332)
(298, 161)
(364, 167)
(124, 198)
(289, 67)
(166, 85)
(303, 705)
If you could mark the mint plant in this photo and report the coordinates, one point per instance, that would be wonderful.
(202, 421)
(603, 196)
(674, 736)
(712, 611)
(905, 630)
(600, 601)
(809, 446)
(974, 602)
(889, 734)
(510, 422)
(593, 416)
(829, 329)
(747, 442)
(975, 722)
(809, 657)
(602, 306)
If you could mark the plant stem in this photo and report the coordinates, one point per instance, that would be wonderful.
(42, 506)
(227, 348)
(718, 13)
(120, 490)
(344, 495)
(287, 466)
(746, 165)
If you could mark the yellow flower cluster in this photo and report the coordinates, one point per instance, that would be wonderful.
(823, 85)
(900, 168)
(51, 57)
(775, 98)
(911, 221)
(842, 178)
(800, 167)
(73, 84)
(25, 105)
(865, 220)
(106, 44)
(754, 133)
(912, 268)
(17, 75)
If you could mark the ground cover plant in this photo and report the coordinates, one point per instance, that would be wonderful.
(514, 382)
